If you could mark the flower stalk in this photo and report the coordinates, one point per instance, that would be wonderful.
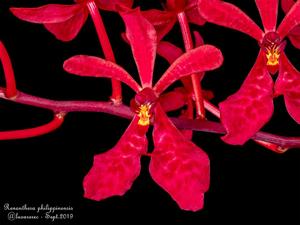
(106, 47)
(196, 79)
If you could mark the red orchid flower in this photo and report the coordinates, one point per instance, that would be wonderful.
(177, 165)
(294, 34)
(253, 103)
(163, 21)
(65, 21)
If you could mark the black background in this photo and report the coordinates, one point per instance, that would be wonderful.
(249, 185)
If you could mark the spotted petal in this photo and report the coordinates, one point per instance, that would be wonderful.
(83, 65)
(288, 84)
(248, 110)
(228, 15)
(114, 171)
(177, 165)
(203, 58)
(142, 38)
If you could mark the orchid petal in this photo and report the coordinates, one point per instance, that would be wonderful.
(173, 100)
(112, 5)
(83, 65)
(268, 12)
(67, 30)
(163, 21)
(290, 21)
(188, 114)
(198, 39)
(295, 39)
(52, 13)
(114, 171)
(177, 165)
(288, 84)
(204, 58)
(142, 37)
(228, 15)
(168, 51)
(286, 5)
(246, 112)
(192, 13)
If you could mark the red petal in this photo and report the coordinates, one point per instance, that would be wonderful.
(83, 65)
(114, 171)
(163, 21)
(173, 100)
(288, 84)
(192, 13)
(246, 112)
(204, 58)
(52, 13)
(228, 15)
(111, 5)
(286, 5)
(268, 12)
(188, 114)
(291, 20)
(295, 39)
(177, 165)
(168, 51)
(142, 37)
(68, 30)
(198, 39)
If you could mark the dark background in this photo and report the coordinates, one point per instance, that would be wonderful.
(249, 185)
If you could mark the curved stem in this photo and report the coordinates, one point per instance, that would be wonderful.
(106, 47)
(188, 44)
(125, 112)
(32, 132)
(11, 90)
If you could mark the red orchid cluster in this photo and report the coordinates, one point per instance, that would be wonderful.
(177, 165)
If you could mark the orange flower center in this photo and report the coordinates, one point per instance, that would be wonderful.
(272, 54)
(144, 114)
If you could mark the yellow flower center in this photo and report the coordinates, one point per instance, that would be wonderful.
(273, 54)
(144, 114)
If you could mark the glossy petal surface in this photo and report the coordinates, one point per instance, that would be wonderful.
(228, 15)
(91, 66)
(142, 38)
(114, 171)
(204, 58)
(290, 21)
(177, 165)
(250, 108)
(288, 84)
(52, 13)
(268, 12)
(68, 30)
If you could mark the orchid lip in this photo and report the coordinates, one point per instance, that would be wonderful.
(272, 46)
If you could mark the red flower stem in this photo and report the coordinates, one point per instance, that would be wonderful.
(188, 44)
(11, 90)
(125, 112)
(106, 47)
(33, 132)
